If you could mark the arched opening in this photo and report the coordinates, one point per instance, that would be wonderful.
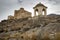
(43, 12)
(36, 11)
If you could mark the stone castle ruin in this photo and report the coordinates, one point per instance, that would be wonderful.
(21, 13)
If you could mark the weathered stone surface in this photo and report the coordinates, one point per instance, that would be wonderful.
(51, 31)
(36, 28)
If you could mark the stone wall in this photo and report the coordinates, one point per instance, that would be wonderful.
(10, 17)
(21, 13)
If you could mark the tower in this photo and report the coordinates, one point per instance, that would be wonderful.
(40, 8)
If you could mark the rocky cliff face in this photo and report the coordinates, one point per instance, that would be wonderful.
(36, 28)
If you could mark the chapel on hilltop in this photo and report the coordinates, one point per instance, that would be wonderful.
(40, 8)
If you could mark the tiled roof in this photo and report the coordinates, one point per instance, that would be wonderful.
(39, 4)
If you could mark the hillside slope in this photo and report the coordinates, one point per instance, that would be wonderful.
(36, 28)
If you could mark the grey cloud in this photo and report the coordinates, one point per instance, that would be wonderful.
(58, 11)
(7, 3)
(6, 7)
(55, 5)
(54, 2)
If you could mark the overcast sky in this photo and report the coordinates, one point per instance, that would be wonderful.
(7, 7)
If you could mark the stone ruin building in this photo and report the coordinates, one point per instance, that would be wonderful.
(40, 8)
(21, 13)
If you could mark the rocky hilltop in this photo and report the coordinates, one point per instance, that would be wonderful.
(34, 28)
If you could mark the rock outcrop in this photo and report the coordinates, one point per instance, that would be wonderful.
(36, 28)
